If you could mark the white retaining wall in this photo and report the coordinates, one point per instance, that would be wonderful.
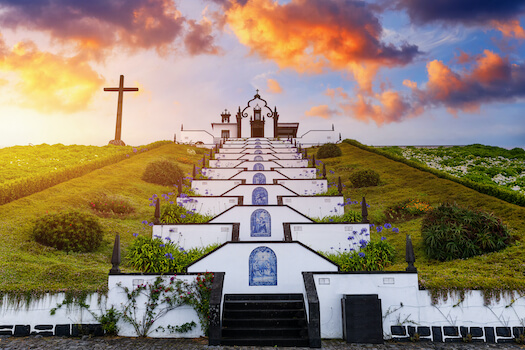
(220, 173)
(208, 205)
(246, 191)
(299, 173)
(215, 187)
(317, 137)
(292, 259)
(190, 236)
(217, 163)
(318, 206)
(305, 187)
(248, 176)
(278, 214)
(331, 238)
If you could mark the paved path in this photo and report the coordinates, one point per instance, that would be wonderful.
(119, 343)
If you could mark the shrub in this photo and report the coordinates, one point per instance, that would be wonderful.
(451, 232)
(69, 231)
(154, 255)
(328, 150)
(374, 256)
(162, 172)
(348, 216)
(177, 214)
(365, 178)
(104, 204)
(407, 210)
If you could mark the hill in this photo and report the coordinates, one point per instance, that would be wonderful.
(29, 269)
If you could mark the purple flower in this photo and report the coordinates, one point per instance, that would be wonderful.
(169, 256)
(383, 238)
(135, 234)
(363, 243)
(167, 239)
(162, 245)
(361, 254)
(387, 226)
(157, 236)
(379, 228)
(183, 216)
(145, 222)
(395, 230)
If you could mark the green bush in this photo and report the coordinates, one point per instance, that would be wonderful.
(328, 150)
(177, 214)
(104, 204)
(155, 255)
(365, 178)
(451, 232)
(69, 231)
(374, 256)
(162, 172)
(349, 216)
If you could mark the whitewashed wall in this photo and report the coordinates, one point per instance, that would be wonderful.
(305, 187)
(251, 157)
(403, 302)
(220, 173)
(176, 317)
(193, 136)
(293, 163)
(267, 165)
(330, 238)
(215, 187)
(242, 215)
(246, 191)
(190, 236)
(218, 163)
(248, 176)
(318, 206)
(292, 259)
(208, 205)
(38, 312)
(299, 173)
(392, 289)
(318, 137)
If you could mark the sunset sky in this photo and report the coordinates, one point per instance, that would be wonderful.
(384, 72)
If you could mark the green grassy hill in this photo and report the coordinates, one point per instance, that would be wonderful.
(27, 268)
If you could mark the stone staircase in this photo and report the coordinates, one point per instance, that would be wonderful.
(264, 320)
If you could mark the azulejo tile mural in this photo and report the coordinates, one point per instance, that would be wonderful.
(260, 196)
(259, 179)
(263, 267)
(260, 224)
(258, 167)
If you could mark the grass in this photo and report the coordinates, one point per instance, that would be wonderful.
(28, 269)
(500, 271)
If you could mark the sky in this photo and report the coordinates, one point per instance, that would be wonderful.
(383, 72)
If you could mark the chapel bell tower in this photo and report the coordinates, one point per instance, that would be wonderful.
(257, 123)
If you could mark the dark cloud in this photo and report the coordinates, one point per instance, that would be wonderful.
(460, 11)
(97, 25)
(199, 40)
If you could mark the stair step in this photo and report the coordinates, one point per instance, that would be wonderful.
(262, 304)
(264, 314)
(262, 323)
(260, 297)
(264, 333)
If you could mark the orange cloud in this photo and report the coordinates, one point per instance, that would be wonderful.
(50, 83)
(510, 28)
(410, 84)
(322, 111)
(273, 86)
(315, 36)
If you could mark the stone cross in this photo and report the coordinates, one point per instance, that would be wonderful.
(121, 89)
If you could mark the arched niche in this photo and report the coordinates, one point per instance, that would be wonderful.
(263, 267)
(259, 179)
(260, 223)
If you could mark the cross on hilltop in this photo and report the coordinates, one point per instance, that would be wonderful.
(118, 130)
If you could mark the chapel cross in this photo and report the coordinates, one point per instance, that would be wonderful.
(121, 89)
